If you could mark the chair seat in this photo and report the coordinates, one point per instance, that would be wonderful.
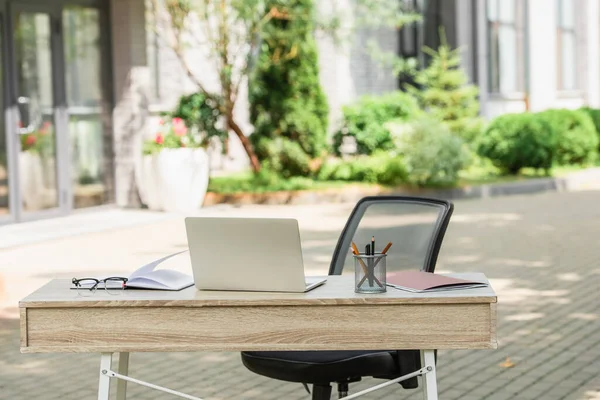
(321, 367)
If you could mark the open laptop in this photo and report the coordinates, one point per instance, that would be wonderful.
(250, 254)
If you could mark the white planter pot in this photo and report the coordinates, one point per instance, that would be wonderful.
(174, 180)
(37, 181)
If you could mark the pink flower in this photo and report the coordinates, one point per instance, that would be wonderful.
(30, 141)
(45, 127)
(179, 126)
(161, 121)
(180, 130)
(159, 139)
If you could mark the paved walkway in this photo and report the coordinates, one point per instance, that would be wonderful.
(541, 252)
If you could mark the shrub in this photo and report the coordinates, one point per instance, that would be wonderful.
(381, 167)
(576, 137)
(283, 156)
(515, 141)
(365, 121)
(594, 114)
(287, 105)
(432, 154)
(199, 114)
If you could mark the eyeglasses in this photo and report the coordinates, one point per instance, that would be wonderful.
(113, 285)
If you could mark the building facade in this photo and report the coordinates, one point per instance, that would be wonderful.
(82, 82)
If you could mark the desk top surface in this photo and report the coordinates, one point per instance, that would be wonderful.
(337, 291)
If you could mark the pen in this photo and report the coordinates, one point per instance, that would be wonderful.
(373, 245)
(370, 264)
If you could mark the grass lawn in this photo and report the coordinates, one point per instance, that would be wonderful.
(246, 182)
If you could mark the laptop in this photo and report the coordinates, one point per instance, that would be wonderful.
(248, 254)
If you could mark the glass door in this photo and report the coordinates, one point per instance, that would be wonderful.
(87, 106)
(58, 113)
(38, 120)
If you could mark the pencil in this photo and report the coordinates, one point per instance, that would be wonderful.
(385, 250)
(362, 263)
(387, 247)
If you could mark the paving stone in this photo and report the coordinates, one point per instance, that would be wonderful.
(541, 253)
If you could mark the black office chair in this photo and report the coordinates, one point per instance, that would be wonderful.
(416, 227)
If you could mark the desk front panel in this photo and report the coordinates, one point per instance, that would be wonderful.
(342, 327)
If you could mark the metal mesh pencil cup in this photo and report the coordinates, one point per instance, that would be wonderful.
(369, 273)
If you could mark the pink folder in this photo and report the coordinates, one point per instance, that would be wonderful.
(418, 281)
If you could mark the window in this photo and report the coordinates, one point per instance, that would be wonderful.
(506, 72)
(566, 45)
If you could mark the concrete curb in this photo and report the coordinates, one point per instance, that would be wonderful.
(588, 179)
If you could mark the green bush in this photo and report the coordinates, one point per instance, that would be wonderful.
(287, 105)
(380, 167)
(594, 114)
(515, 141)
(284, 156)
(432, 154)
(365, 121)
(576, 137)
(200, 114)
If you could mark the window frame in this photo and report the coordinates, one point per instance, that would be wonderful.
(573, 31)
(494, 25)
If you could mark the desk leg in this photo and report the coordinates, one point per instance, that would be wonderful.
(429, 379)
(104, 384)
(123, 370)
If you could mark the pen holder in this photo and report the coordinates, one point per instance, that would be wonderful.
(369, 273)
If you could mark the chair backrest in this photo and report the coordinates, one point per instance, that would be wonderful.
(415, 226)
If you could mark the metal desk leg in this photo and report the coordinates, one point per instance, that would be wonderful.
(104, 384)
(123, 370)
(429, 379)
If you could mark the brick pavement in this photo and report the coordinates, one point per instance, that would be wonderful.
(541, 253)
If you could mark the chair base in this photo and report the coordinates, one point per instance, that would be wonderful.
(321, 392)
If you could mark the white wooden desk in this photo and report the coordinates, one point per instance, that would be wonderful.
(331, 317)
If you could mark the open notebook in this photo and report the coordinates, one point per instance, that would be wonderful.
(420, 282)
(148, 277)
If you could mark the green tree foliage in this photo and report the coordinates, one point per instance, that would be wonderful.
(288, 108)
(443, 91)
(515, 141)
(366, 120)
(577, 140)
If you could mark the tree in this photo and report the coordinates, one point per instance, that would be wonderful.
(228, 31)
(444, 91)
(287, 105)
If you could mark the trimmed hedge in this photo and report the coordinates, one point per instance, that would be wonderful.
(576, 137)
(381, 167)
(594, 114)
(365, 121)
(515, 141)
